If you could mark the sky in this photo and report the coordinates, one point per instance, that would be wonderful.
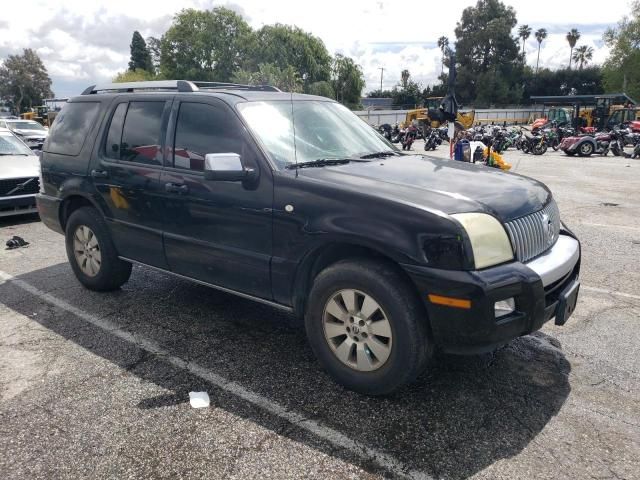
(83, 43)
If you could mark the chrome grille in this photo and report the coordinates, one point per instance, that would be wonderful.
(19, 186)
(534, 234)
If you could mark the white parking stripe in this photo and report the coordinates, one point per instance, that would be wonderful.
(328, 434)
(610, 292)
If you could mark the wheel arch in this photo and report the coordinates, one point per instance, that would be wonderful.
(330, 253)
(71, 203)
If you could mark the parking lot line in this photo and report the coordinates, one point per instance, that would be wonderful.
(605, 225)
(328, 434)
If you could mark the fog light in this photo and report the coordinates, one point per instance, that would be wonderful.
(504, 307)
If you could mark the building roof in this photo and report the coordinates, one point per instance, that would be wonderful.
(581, 99)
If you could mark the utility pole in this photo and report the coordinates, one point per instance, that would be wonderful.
(381, 74)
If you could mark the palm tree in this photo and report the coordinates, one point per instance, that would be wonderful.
(583, 55)
(443, 43)
(540, 34)
(573, 36)
(524, 32)
(404, 78)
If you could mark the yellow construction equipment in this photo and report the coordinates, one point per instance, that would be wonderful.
(39, 114)
(430, 116)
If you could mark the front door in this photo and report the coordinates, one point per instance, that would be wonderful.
(216, 231)
(126, 173)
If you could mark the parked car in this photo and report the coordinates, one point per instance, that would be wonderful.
(30, 131)
(291, 201)
(19, 171)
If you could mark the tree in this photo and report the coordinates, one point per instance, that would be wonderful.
(153, 45)
(540, 34)
(573, 36)
(284, 45)
(140, 55)
(407, 92)
(322, 89)
(138, 75)
(286, 79)
(622, 68)
(205, 45)
(347, 80)
(24, 80)
(404, 78)
(583, 55)
(443, 44)
(524, 32)
(486, 54)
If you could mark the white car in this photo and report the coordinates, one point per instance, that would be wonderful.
(19, 175)
(29, 131)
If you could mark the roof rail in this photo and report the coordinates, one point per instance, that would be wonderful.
(179, 85)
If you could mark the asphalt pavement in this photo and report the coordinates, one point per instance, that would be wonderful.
(95, 385)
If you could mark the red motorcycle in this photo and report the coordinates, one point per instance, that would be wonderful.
(409, 137)
(600, 143)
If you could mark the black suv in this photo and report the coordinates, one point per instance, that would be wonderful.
(293, 201)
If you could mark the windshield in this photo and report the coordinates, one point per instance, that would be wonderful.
(25, 126)
(10, 145)
(323, 130)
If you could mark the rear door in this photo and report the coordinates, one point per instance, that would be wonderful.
(216, 231)
(126, 172)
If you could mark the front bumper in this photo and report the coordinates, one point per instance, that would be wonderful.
(539, 288)
(17, 205)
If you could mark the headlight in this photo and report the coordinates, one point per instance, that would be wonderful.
(489, 240)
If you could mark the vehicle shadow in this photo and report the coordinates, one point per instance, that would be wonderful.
(16, 220)
(463, 415)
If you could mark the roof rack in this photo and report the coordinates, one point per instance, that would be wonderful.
(171, 85)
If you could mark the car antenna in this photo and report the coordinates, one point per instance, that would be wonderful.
(293, 124)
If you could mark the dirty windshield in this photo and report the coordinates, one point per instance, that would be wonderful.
(323, 130)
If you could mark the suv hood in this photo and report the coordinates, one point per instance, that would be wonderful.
(444, 185)
(19, 166)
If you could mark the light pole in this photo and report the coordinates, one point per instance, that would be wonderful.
(381, 74)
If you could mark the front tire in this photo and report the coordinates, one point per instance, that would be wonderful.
(367, 327)
(91, 252)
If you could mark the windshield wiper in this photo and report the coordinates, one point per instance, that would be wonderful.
(320, 162)
(14, 154)
(386, 153)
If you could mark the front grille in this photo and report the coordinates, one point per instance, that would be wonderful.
(534, 234)
(19, 186)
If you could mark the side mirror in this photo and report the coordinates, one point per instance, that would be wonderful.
(226, 167)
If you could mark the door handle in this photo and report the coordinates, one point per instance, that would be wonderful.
(176, 188)
(99, 174)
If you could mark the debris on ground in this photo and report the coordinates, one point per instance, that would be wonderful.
(199, 399)
(16, 242)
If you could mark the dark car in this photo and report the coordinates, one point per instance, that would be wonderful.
(293, 201)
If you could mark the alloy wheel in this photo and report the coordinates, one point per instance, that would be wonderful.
(357, 330)
(87, 251)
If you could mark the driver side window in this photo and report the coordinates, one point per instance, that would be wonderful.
(202, 128)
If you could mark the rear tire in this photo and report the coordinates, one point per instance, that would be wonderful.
(389, 346)
(585, 150)
(91, 252)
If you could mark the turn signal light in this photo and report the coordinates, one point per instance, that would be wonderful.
(450, 301)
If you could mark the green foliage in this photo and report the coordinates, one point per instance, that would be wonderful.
(347, 80)
(322, 89)
(573, 36)
(138, 75)
(486, 53)
(24, 81)
(583, 55)
(286, 79)
(622, 68)
(140, 55)
(284, 45)
(565, 81)
(204, 45)
(524, 32)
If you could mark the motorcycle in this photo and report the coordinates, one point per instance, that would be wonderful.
(397, 135)
(533, 143)
(599, 143)
(411, 133)
(385, 130)
(432, 139)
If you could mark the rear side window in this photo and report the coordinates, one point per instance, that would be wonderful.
(114, 137)
(141, 134)
(71, 127)
(202, 129)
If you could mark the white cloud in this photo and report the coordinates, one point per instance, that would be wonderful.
(88, 42)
